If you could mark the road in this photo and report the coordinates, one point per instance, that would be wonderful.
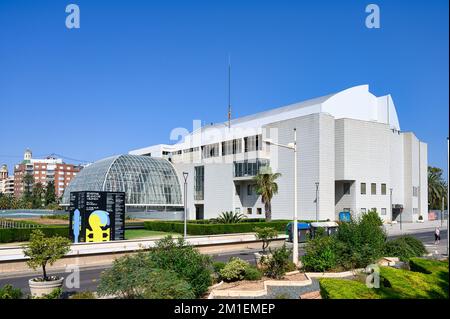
(89, 275)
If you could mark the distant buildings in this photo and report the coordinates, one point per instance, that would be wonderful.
(43, 171)
(6, 181)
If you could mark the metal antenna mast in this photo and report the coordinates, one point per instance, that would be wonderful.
(229, 91)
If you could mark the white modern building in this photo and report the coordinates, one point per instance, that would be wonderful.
(352, 156)
(350, 143)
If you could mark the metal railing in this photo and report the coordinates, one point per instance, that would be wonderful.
(8, 224)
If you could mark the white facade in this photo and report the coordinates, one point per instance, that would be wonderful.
(347, 142)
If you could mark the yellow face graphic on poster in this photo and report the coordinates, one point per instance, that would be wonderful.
(99, 227)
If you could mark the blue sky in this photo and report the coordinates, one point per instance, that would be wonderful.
(137, 69)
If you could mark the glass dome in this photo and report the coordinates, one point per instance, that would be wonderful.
(146, 181)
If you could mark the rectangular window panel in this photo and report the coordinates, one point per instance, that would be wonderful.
(383, 189)
(363, 188)
(383, 211)
(373, 188)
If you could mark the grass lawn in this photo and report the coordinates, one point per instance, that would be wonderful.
(142, 233)
(427, 279)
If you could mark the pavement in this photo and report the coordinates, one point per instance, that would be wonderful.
(409, 228)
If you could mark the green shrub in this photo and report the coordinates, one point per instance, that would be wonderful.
(320, 254)
(266, 235)
(234, 270)
(276, 265)
(134, 277)
(9, 292)
(10, 235)
(360, 242)
(218, 266)
(55, 294)
(83, 295)
(230, 218)
(196, 228)
(184, 260)
(252, 273)
(404, 247)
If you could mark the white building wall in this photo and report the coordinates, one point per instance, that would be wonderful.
(364, 153)
(219, 189)
(309, 147)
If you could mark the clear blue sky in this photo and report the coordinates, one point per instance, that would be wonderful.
(137, 69)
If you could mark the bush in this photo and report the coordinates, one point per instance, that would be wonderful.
(404, 247)
(218, 266)
(230, 218)
(234, 270)
(133, 277)
(55, 294)
(266, 235)
(360, 242)
(10, 235)
(197, 228)
(83, 295)
(320, 254)
(252, 273)
(278, 263)
(9, 292)
(184, 260)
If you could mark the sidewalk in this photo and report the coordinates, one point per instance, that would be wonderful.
(410, 228)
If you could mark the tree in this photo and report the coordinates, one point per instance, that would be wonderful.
(50, 195)
(37, 195)
(437, 188)
(230, 218)
(267, 187)
(266, 235)
(45, 250)
(27, 183)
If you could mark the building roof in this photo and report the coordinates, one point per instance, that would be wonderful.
(147, 181)
(354, 103)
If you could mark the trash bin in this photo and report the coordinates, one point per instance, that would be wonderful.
(304, 231)
(328, 227)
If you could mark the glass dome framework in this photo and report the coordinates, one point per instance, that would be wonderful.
(146, 181)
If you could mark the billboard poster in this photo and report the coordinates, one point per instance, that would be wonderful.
(97, 216)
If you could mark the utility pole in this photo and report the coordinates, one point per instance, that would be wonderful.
(185, 176)
(390, 200)
(295, 226)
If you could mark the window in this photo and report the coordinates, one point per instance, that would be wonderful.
(415, 191)
(249, 189)
(363, 210)
(383, 189)
(363, 188)
(252, 143)
(211, 150)
(249, 210)
(346, 188)
(259, 211)
(231, 147)
(415, 210)
(383, 211)
(373, 188)
(199, 182)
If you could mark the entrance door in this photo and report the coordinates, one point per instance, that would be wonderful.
(199, 213)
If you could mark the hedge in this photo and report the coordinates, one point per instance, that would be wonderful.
(9, 235)
(211, 229)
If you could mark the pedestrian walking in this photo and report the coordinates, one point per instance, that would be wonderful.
(437, 236)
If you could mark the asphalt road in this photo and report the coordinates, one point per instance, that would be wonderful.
(89, 275)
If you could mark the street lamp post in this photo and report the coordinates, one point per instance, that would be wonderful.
(448, 198)
(317, 201)
(390, 202)
(185, 176)
(292, 146)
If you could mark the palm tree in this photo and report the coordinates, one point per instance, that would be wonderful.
(267, 187)
(436, 187)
